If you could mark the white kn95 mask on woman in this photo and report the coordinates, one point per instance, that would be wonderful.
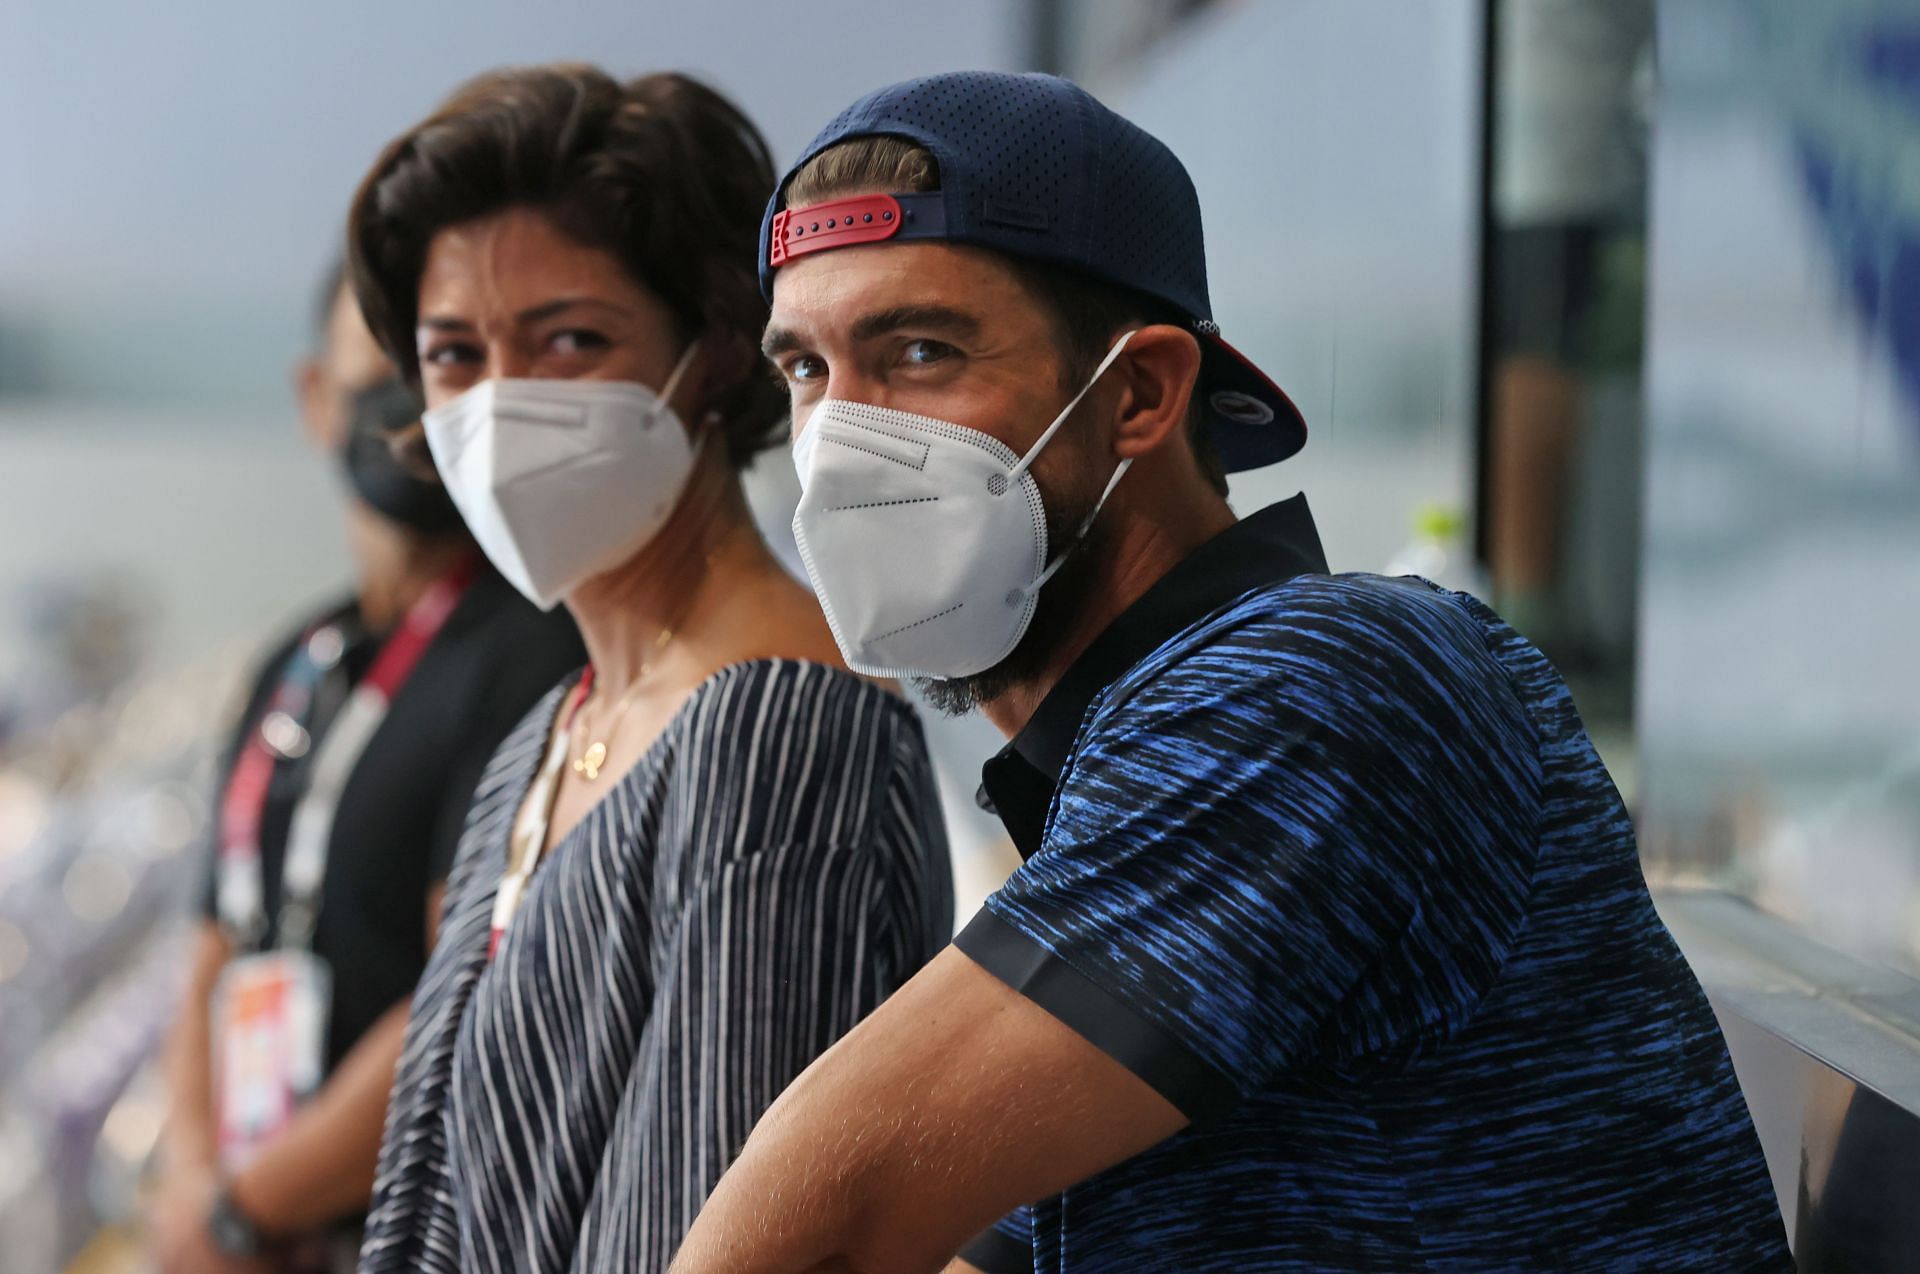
(925, 540)
(561, 480)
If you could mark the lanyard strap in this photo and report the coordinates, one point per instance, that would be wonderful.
(281, 733)
(310, 831)
(527, 840)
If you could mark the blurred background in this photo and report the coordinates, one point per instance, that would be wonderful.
(1604, 310)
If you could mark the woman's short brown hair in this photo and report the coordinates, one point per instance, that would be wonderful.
(661, 172)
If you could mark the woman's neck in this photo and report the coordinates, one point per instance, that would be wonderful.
(396, 565)
(674, 584)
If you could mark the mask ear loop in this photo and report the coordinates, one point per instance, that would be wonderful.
(1040, 444)
(1080, 532)
(679, 370)
(1119, 470)
(706, 428)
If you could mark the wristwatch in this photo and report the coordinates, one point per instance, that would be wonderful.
(232, 1231)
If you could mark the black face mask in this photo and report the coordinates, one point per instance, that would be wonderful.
(377, 477)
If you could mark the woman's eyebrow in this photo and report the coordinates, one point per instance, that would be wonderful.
(559, 305)
(532, 314)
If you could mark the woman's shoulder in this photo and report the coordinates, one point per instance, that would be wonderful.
(775, 696)
(802, 749)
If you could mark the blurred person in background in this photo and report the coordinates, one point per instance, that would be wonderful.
(1569, 202)
(695, 866)
(341, 800)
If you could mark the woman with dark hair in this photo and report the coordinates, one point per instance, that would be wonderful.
(694, 867)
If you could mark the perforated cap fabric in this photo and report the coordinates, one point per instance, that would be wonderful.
(1035, 166)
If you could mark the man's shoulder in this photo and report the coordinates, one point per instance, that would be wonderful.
(1358, 673)
(1323, 631)
(1380, 607)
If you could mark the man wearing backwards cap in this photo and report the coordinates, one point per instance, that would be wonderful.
(1331, 948)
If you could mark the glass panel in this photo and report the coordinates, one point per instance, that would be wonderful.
(1779, 700)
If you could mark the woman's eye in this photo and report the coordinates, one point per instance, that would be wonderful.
(578, 341)
(926, 353)
(451, 354)
(807, 367)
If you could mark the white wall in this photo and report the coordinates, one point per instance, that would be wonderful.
(172, 177)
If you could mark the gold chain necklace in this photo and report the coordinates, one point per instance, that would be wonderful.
(588, 763)
(594, 757)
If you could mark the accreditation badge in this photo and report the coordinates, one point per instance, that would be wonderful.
(270, 1036)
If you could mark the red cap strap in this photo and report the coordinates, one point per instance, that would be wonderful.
(835, 224)
(857, 219)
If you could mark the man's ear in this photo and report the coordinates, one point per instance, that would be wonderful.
(1156, 372)
(316, 412)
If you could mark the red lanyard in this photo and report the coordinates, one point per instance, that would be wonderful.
(241, 902)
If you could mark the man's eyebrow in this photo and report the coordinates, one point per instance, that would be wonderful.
(939, 318)
(778, 341)
(932, 318)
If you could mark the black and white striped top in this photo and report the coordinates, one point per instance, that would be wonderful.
(770, 870)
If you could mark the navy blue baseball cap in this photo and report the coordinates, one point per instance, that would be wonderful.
(1035, 166)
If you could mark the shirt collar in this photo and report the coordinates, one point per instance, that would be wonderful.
(1272, 545)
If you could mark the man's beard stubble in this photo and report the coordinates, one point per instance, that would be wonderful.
(1062, 597)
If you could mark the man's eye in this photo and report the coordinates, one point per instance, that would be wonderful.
(807, 367)
(924, 353)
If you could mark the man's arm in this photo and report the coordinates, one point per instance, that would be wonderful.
(958, 1100)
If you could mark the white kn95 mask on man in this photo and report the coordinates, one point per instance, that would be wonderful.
(561, 480)
(925, 540)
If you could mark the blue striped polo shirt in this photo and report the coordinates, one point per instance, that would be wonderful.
(1330, 863)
